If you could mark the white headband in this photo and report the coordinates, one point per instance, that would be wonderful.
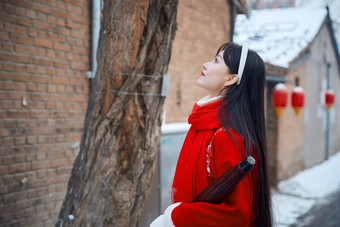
(243, 59)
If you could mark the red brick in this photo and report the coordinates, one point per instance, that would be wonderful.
(42, 61)
(60, 72)
(19, 140)
(21, 167)
(60, 88)
(19, 68)
(41, 25)
(50, 106)
(62, 47)
(50, 71)
(60, 5)
(3, 171)
(18, 104)
(41, 88)
(16, 95)
(32, 32)
(52, 37)
(60, 14)
(61, 22)
(20, 12)
(80, 19)
(51, 19)
(39, 114)
(69, 89)
(51, 53)
(22, 59)
(5, 56)
(42, 43)
(19, 158)
(8, 46)
(41, 79)
(20, 77)
(7, 160)
(8, 9)
(41, 174)
(60, 55)
(41, 69)
(31, 14)
(21, 30)
(72, 24)
(79, 66)
(60, 64)
(4, 35)
(41, 164)
(23, 21)
(9, 85)
(7, 105)
(39, 105)
(9, 28)
(21, 49)
(20, 86)
(17, 114)
(60, 80)
(42, 8)
(42, 34)
(30, 87)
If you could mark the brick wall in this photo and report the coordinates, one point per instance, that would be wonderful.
(202, 26)
(272, 132)
(285, 134)
(291, 132)
(45, 52)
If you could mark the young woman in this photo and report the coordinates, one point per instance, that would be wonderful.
(226, 127)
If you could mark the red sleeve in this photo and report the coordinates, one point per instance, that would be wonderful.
(236, 210)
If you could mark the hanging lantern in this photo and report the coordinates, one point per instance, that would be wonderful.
(280, 98)
(329, 98)
(298, 99)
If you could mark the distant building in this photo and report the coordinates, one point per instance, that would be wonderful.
(296, 44)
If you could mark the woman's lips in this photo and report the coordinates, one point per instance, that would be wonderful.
(202, 74)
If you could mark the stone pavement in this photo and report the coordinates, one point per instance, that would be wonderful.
(324, 213)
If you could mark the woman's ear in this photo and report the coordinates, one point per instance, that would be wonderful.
(232, 79)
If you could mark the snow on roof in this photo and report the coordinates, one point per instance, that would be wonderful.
(279, 35)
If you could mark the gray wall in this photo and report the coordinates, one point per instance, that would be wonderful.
(322, 52)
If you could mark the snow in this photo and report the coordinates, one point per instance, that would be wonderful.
(299, 193)
(286, 209)
(279, 35)
(175, 128)
(316, 182)
(70, 217)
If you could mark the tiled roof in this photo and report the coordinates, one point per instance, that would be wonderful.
(279, 35)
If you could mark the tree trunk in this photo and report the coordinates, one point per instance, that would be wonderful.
(121, 137)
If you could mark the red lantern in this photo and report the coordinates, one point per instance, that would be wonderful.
(329, 98)
(280, 98)
(298, 99)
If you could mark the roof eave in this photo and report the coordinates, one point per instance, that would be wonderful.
(333, 40)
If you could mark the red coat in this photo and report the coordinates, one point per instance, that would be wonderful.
(208, 152)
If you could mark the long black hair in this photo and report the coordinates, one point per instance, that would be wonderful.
(242, 110)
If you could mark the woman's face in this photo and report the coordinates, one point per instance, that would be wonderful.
(215, 76)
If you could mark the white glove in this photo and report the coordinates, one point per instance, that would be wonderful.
(164, 220)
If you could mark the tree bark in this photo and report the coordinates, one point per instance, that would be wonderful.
(122, 129)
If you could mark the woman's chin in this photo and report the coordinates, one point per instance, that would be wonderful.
(200, 82)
